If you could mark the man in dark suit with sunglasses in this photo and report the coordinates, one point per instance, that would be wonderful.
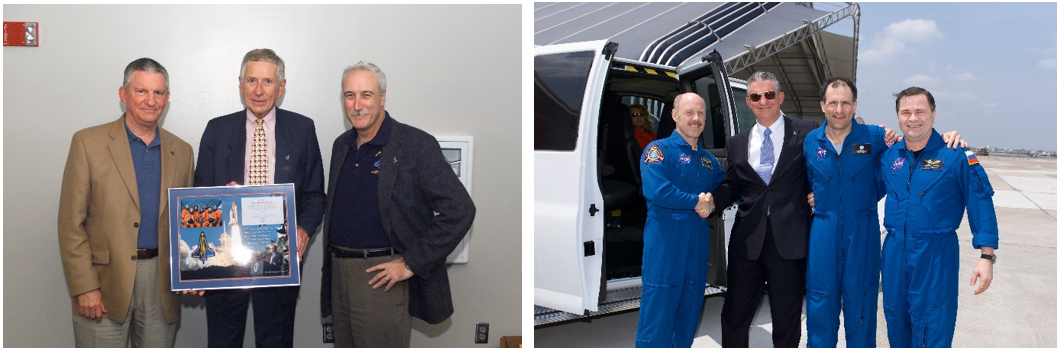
(768, 244)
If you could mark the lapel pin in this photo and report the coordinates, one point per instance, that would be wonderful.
(395, 159)
(288, 157)
(171, 153)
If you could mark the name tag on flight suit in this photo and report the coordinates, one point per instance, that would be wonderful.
(861, 149)
(932, 164)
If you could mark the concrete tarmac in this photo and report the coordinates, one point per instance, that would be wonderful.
(1018, 310)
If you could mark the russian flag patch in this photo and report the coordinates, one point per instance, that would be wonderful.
(972, 157)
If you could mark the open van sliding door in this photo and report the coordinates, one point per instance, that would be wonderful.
(568, 204)
(709, 79)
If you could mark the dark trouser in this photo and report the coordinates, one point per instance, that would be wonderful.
(274, 316)
(746, 277)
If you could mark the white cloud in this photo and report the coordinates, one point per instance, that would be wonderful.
(1029, 105)
(893, 41)
(950, 67)
(921, 80)
(988, 105)
(964, 77)
(1048, 63)
(947, 94)
(914, 30)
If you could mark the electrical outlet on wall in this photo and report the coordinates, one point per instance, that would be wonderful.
(482, 332)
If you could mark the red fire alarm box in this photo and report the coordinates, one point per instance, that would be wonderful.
(21, 34)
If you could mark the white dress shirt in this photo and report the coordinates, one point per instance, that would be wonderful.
(755, 142)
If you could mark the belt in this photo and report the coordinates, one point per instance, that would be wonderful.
(146, 253)
(343, 252)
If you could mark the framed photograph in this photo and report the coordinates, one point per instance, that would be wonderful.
(233, 237)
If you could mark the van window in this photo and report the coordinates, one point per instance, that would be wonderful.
(654, 107)
(559, 87)
(714, 135)
(745, 116)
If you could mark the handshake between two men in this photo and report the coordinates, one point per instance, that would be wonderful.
(705, 206)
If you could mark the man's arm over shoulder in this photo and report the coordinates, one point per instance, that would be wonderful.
(74, 247)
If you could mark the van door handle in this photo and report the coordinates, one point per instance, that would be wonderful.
(593, 209)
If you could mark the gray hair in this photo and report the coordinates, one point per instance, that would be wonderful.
(146, 65)
(368, 66)
(267, 55)
(762, 76)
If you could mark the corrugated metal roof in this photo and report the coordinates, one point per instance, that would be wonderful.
(672, 34)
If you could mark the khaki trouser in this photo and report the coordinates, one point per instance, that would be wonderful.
(145, 324)
(363, 317)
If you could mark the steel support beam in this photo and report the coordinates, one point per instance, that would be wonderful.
(757, 53)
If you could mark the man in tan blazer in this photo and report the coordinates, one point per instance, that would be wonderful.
(114, 219)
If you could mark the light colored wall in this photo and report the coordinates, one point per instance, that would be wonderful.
(450, 69)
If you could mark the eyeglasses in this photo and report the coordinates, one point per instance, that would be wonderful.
(769, 95)
(636, 114)
(833, 104)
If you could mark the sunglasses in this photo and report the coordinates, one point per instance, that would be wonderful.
(769, 95)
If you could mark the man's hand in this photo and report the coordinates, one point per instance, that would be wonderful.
(953, 140)
(983, 271)
(90, 305)
(890, 137)
(193, 292)
(303, 242)
(389, 273)
(810, 199)
(705, 205)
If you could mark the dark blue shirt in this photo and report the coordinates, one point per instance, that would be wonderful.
(147, 161)
(355, 220)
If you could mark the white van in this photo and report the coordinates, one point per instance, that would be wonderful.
(589, 212)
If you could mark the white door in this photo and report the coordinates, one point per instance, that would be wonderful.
(709, 79)
(568, 205)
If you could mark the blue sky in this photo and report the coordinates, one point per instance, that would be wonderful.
(992, 67)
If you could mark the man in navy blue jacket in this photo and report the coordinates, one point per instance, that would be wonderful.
(293, 156)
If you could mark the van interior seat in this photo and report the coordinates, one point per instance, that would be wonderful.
(624, 153)
(666, 122)
(618, 185)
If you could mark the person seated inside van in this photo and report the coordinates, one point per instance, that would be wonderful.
(643, 130)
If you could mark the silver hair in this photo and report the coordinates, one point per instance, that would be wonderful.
(146, 65)
(267, 55)
(762, 76)
(368, 66)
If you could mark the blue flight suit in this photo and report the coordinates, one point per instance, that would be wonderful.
(674, 265)
(919, 260)
(843, 254)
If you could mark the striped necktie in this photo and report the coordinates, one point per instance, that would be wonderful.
(259, 167)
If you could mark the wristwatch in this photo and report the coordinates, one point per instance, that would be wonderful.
(990, 257)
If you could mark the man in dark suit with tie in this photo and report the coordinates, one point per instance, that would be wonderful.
(768, 175)
(261, 145)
